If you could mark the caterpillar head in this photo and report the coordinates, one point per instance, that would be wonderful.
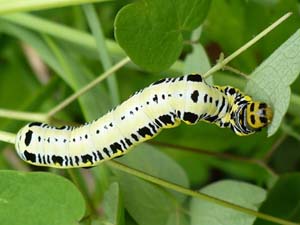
(251, 117)
(258, 115)
(246, 116)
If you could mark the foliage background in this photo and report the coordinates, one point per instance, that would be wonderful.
(70, 58)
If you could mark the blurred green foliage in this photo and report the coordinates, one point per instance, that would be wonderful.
(63, 41)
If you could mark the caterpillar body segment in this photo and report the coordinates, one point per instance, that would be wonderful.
(163, 104)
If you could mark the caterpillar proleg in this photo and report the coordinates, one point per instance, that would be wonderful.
(163, 104)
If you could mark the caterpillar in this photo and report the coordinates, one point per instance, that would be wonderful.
(163, 104)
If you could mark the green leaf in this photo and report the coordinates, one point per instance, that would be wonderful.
(240, 193)
(197, 62)
(150, 31)
(178, 218)
(270, 81)
(38, 198)
(113, 205)
(283, 199)
(143, 200)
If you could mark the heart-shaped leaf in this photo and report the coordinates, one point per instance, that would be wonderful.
(150, 31)
(38, 198)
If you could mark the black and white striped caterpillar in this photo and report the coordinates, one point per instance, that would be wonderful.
(164, 104)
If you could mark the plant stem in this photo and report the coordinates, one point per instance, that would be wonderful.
(13, 6)
(20, 115)
(274, 147)
(7, 137)
(236, 71)
(78, 93)
(220, 155)
(196, 194)
(223, 62)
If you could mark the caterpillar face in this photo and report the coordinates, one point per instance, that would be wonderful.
(245, 116)
(163, 104)
(251, 117)
(258, 115)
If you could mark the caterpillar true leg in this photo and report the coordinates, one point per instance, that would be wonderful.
(163, 104)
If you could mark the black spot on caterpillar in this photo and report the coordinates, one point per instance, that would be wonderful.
(163, 104)
(28, 136)
(194, 96)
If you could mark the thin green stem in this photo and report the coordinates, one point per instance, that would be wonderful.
(96, 28)
(221, 155)
(21, 115)
(7, 137)
(225, 61)
(266, 167)
(78, 93)
(13, 6)
(274, 147)
(196, 194)
(236, 71)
